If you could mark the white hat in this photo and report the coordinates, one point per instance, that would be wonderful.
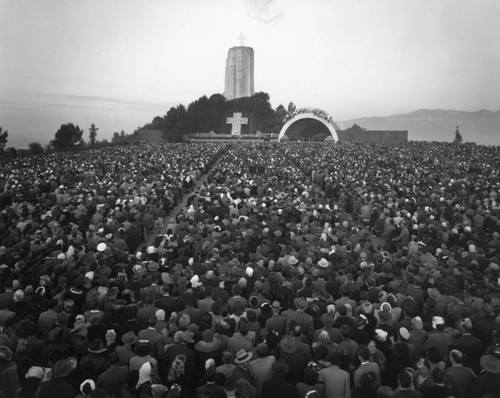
(89, 383)
(404, 333)
(381, 334)
(323, 262)
(101, 247)
(249, 271)
(330, 308)
(417, 322)
(35, 371)
(436, 321)
(195, 281)
(160, 315)
(18, 295)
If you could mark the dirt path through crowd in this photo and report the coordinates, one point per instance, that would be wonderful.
(181, 205)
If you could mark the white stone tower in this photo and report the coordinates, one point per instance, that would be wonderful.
(239, 73)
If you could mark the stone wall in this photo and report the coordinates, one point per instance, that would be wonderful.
(373, 136)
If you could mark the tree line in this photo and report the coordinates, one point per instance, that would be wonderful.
(208, 114)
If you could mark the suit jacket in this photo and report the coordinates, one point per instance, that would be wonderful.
(146, 312)
(125, 353)
(278, 388)
(113, 379)
(296, 363)
(276, 323)
(59, 388)
(305, 321)
(487, 383)
(238, 342)
(93, 365)
(336, 382)
(214, 390)
(155, 340)
(365, 368)
(167, 304)
(441, 341)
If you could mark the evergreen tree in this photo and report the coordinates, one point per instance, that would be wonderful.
(36, 148)
(93, 134)
(3, 139)
(67, 136)
(458, 137)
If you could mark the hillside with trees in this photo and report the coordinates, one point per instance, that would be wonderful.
(209, 114)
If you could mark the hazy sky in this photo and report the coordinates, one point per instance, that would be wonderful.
(119, 63)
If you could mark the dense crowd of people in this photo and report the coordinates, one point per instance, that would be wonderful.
(297, 270)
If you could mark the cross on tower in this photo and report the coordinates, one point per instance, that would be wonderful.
(241, 38)
(236, 121)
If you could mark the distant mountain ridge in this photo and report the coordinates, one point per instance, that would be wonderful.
(482, 127)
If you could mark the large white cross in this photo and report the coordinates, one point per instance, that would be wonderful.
(236, 121)
(242, 39)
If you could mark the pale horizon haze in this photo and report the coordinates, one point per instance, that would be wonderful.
(120, 63)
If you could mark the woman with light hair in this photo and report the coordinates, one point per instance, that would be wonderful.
(323, 340)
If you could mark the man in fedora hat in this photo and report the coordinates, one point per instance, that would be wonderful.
(243, 369)
(295, 354)
(488, 382)
(301, 318)
(126, 351)
(278, 387)
(277, 322)
(94, 363)
(58, 386)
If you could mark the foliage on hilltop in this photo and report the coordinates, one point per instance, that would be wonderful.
(68, 135)
(210, 114)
